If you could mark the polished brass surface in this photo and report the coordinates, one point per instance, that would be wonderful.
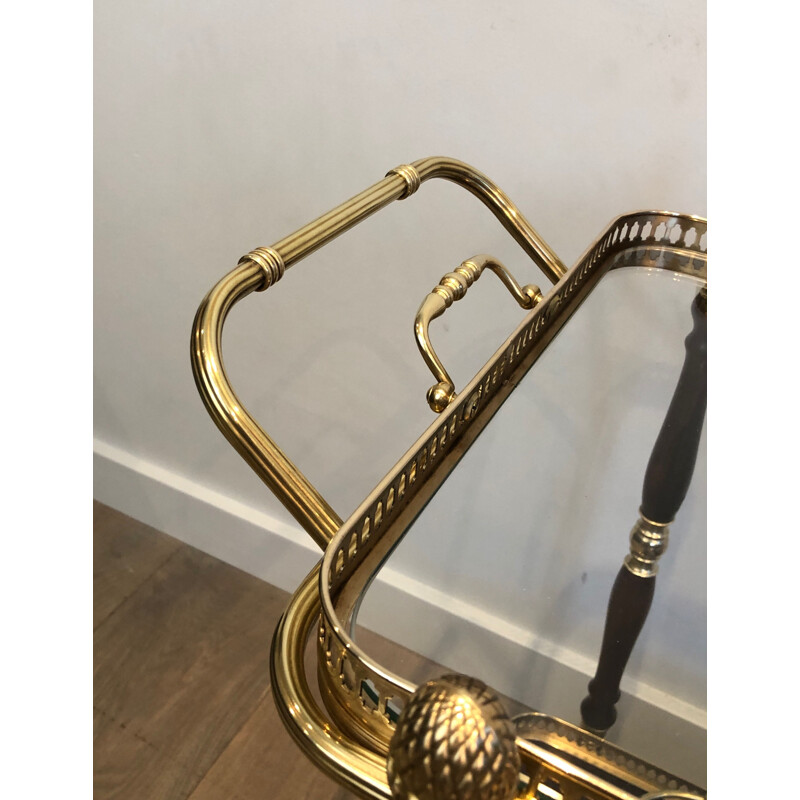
(594, 761)
(553, 753)
(671, 796)
(453, 739)
(270, 262)
(410, 175)
(452, 287)
(364, 700)
(343, 759)
(228, 412)
(375, 528)
(262, 267)
(648, 543)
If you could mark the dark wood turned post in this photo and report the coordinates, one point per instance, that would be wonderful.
(666, 481)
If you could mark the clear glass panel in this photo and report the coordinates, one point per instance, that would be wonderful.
(506, 574)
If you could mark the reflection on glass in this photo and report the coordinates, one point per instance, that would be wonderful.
(506, 575)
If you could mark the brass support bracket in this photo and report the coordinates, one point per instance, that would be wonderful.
(452, 287)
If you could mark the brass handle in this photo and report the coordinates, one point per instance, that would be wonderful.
(264, 266)
(452, 287)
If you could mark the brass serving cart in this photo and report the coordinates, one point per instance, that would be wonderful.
(377, 733)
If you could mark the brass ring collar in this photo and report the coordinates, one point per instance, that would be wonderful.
(270, 262)
(410, 176)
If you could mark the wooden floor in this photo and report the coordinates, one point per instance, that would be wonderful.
(182, 702)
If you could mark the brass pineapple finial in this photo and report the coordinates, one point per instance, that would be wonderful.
(453, 741)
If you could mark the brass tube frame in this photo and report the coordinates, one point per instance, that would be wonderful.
(265, 266)
(336, 754)
(351, 746)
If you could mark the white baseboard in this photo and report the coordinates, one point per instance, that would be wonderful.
(251, 540)
(537, 672)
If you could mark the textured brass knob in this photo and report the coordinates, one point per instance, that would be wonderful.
(453, 741)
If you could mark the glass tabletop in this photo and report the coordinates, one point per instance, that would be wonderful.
(507, 572)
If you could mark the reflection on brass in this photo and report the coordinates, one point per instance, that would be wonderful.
(671, 796)
(453, 739)
(452, 287)
(363, 701)
(362, 770)
(648, 543)
(576, 754)
(268, 461)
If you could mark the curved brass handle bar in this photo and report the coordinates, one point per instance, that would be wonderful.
(242, 431)
(343, 759)
(401, 183)
(453, 287)
(264, 266)
(499, 204)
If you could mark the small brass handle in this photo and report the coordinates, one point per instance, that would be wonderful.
(452, 287)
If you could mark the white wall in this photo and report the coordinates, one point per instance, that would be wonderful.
(223, 126)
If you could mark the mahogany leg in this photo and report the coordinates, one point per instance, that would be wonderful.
(666, 481)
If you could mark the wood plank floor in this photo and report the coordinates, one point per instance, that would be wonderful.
(182, 701)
